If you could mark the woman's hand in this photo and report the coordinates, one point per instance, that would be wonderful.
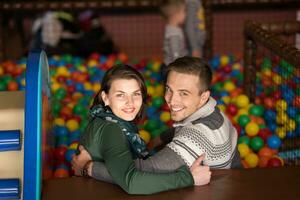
(78, 162)
(201, 174)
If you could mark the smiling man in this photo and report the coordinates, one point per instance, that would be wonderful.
(200, 127)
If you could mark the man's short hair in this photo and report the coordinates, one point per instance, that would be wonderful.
(170, 7)
(193, 65)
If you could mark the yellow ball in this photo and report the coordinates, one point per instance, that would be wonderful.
(244, 150)
(242, 101)
(159, 90)
(145, 136)
(222, 107)
(277, 79)
(242, 111)
(151, 90)
(229, 86)
(156, 67)
(72, 125)
(92, 63)
(226, 99)
(59, 121)
(73, 145)
(1, 71)
(165, 116)
(290, 125)
(87, 86)
(96, 87)
(281, 105)
(280, 132)
(252, 160)
(62, 71)
(54, 87)
(224, 60)
(252, 129)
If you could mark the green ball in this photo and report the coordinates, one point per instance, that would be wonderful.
(151, 125)
(3, 86)
(79, 109)
(297, 119)
(256, 110)
(157, 102)
(60, 94)
(243, 120)
(56, 107)
(256, 143)
(244, 139)
(155, 133)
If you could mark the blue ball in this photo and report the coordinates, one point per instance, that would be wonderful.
(69, 154)
(274, 142)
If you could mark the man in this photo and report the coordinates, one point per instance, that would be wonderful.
(200, 127)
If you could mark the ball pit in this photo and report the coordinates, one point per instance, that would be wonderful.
(261, 126)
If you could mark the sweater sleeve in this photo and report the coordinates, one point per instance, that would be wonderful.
(165, 160)
(120, 165)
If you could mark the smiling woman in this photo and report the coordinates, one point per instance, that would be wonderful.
(112, 138)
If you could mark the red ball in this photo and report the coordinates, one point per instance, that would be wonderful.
(61, 173)
(264, 133)
(59, 153)
(274, 162)
(232, 109)
(269, 102)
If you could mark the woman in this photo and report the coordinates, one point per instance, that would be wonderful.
(111, 136)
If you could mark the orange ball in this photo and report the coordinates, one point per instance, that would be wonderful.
(12, 86)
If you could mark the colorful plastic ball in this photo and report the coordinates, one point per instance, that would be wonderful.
(145, 136)
(59, 121)
(165, 116)
(256, 143)
(243, 149)
(243, 120)
(157, 101)
(256, 110)
(69, 154)
(60, 131)
(61, 173)
(12, 86)
(229, 86)
(264, 133)
(281, 105)
(252, 129)
(73, 146)
(269, 102)
(252, 160)
(263, 161)
(232, 109)
(275, 161)
(242, 101)
(266, 151)
(72, 125)
(59, 153)
(3, 86)
(274, 142)
(224, 60)
(151, 125)
(244, 139)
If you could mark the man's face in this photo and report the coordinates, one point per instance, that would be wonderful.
(182, 95)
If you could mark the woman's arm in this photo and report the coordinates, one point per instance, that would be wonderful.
(120, 165)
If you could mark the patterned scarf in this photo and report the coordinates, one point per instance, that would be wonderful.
(137, 145)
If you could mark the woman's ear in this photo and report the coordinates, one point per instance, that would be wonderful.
(104, 98)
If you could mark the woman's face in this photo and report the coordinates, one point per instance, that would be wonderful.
(124, 98)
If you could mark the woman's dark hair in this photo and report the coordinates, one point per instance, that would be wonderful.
(121, 72)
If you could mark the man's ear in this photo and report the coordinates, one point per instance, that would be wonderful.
(205, 96)
(104, 98)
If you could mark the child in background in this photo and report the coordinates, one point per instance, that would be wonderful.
(174, 41)
(195, 27)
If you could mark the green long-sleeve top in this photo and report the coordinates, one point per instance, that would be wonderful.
(106, 142)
